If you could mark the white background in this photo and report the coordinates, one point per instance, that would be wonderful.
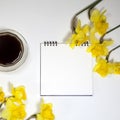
(41, 20)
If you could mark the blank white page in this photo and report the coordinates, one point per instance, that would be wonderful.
(65, 71)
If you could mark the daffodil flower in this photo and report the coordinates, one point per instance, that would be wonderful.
(80, 36)
(103, 67)
(46, 112)
(13, 111)
(99, 49)
(18, 93)
(99, 21)
(96, 48)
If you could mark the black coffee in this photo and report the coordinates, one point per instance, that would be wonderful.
(10, 49)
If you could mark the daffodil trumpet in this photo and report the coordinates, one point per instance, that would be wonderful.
(74, 19)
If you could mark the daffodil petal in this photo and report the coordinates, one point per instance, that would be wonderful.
(108, 42)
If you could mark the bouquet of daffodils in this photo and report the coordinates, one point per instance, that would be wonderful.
(94, 33)
(13, 106)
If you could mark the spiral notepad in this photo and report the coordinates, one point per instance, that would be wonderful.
(65, 71)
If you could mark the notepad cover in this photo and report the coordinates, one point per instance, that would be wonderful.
(65, 71)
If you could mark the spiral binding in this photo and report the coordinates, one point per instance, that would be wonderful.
(54, 43)
(85, 43)
(50, 43)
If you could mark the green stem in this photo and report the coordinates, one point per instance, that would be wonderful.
(1, 104)
(73, 26)
(32, 116)
(107, 57)
(102, 37)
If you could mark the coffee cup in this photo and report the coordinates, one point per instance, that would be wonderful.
(13, 50)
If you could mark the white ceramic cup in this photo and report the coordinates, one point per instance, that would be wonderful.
(21, 56)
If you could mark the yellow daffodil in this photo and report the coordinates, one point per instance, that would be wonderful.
(18, 93)
(96, 48)
(80, 36)
(13, 111)
(2, 95)
(46, 112)
(103, 67)
(99, 21)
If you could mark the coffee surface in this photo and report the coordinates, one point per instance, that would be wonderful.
(10, 49)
